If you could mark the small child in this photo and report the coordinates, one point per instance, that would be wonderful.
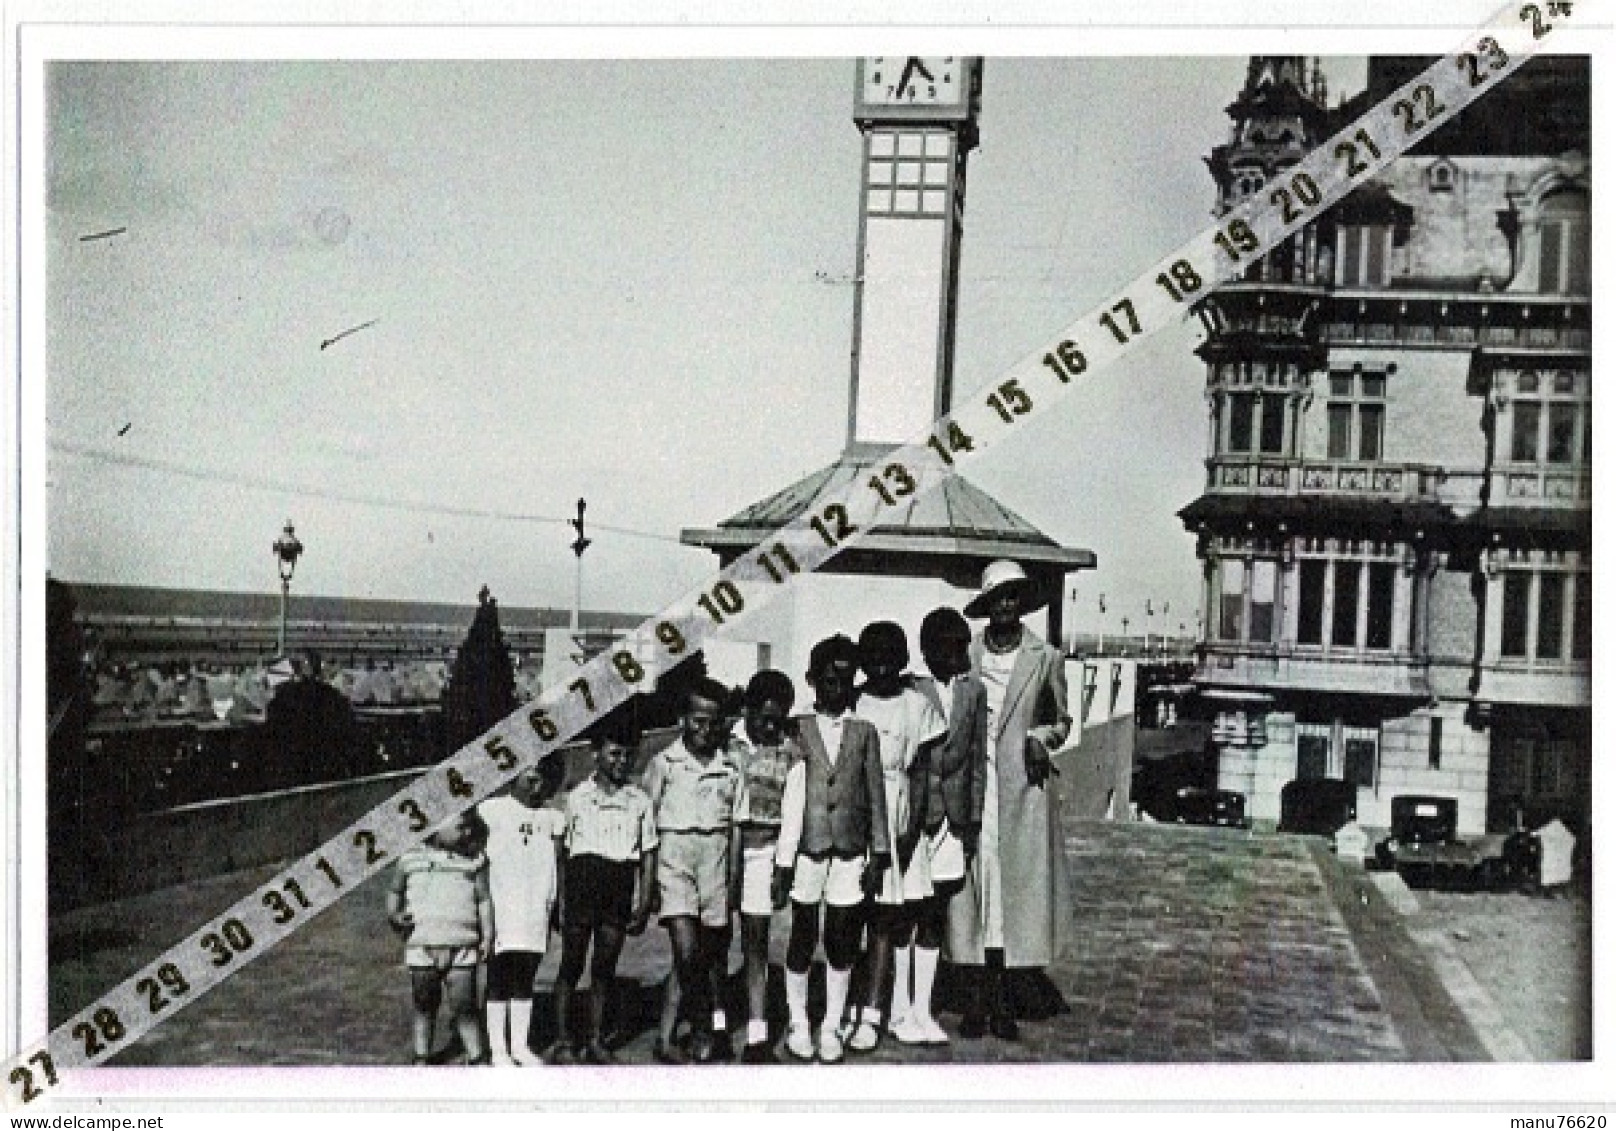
(767, 752)
(610, 853)
(909, 724)
(439, 902)
(522, 836)
(698, 790)
(950, 802)
(834, 845)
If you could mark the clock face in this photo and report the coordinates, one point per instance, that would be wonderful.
(913, 80)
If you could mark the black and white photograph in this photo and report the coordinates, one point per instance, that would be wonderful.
(576, 562)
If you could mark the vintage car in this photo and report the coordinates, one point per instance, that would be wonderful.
(1226, 808)
(1425, 850)
(1317, 806)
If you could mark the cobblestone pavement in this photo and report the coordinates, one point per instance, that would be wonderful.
(1204, 945)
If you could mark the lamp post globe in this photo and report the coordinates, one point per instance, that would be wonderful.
(287, 550)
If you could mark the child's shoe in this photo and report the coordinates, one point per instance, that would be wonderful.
(669, 1054)
(501, 1060)
(830, 1047)
(800, 1041)
(524, 1056)
(906, 1027)
(865, 1038)
(596, 1053)
(759, 1053)
(561, 1052)
(933, 1033)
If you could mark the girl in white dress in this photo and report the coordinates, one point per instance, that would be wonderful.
(908, 723)
(522, 835)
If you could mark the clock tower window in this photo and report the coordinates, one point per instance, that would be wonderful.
(909, 172)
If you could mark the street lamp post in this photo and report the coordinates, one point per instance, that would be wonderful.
(579, 545)
(287, 550)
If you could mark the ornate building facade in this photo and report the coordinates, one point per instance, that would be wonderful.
(1395, 532)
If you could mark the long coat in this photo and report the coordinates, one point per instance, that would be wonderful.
(1036, 889)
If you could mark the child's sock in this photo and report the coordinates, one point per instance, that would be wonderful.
(757, 1031)
(720, 1021)
(797, 996)
(902, 1006)
(521, 1025)
(498, 1014)
(836, 982)
(925, 978)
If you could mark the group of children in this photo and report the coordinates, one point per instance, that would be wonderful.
(862, 814)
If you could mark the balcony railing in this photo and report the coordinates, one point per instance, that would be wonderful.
(1451, 334)
(1291, 667)
(1527, 485)
(1257, 476)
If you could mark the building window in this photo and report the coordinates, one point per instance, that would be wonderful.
(1272, 440)
(1248, 599)
(1312, 750)
(1263, 578)
(1563, 244)
(1433, 757)
(908, 173)
(1549, 767)
(1348, 603)
(1363, 255)
(1232, 602)
(1310, 621)
(1551, 608)
(1543, 611)
(1356, 414)
(1361, 756)
(1442, 176)
(1333, 749)
(1382, 577)
(1344, 625)
(1562, 433)
(1256, 420)
(1241, 407)
(1523, 441)
(1517, 594)
(1549, 420)
(1582, 616)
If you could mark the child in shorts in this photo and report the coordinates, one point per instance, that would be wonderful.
(767, 753)
(950, 804)
(834, 844)
(908, 724)
(607, 884)
(439, 902)
(522, 836)
(697, 790)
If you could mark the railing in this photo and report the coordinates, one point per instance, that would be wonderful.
(1528, 485)
(1257, 476)
(1288, 666)
(1531, 337)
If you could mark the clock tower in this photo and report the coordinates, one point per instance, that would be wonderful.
(916, 118)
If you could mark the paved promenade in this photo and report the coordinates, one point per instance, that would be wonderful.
(1192, 945)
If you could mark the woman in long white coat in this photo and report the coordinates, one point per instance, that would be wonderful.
(1015, 910)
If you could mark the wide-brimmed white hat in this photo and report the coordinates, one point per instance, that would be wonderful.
(999, 576)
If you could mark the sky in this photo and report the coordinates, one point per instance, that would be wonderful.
(622, 280)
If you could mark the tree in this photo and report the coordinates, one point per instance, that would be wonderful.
(482, 681)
